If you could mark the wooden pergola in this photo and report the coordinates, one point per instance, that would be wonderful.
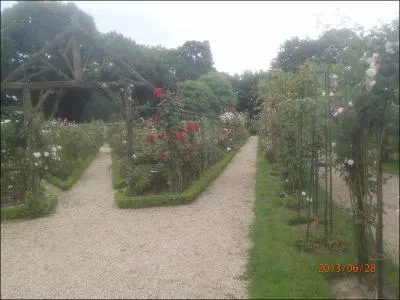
(40, 73)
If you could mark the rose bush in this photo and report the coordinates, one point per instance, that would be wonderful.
(170, 152)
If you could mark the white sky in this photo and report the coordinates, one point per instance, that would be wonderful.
(243, 35)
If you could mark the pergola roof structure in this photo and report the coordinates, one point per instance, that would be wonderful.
(61, 64)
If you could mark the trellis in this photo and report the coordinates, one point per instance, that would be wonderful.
(34, 75)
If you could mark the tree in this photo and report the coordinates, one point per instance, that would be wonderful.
(293, 53)
(193, 59)
(28, 25)
(198, 97)
(221, 88)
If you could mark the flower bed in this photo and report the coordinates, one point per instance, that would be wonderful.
(188, 195)
(169, 153)
(63, 151)
(31, 208)
(68, 150)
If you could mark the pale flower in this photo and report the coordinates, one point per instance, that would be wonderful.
(333, 144)
(228, 149)
(46, 154)
(303, 193)
(36, 164)
(10, 186)
(350, 162)
(331, 94)
(371, 72)
(45, 167)
(323, 93)
(370, 84)
(59, 147)
(6, 121)
(351, 104)
(37, 154)
(389, 48)
(340, 110)
(134, 156)
(123, 142)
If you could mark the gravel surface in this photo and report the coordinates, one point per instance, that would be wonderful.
(91, 249)
(390, 206)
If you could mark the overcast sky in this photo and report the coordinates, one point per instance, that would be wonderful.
(243, 35)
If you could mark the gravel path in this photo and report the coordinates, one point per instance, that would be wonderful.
(391, 204)
(90, 249)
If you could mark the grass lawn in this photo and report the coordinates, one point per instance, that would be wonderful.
(278, 269)
(391, 167)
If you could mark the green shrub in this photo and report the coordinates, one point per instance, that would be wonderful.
(139, 180)
(31, 208)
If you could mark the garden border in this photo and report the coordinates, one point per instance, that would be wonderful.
(45, 205)
(185, 197)
(269, 246)
(74, 176)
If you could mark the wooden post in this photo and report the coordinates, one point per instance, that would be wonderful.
(31, 145)
(76, 58)
(129, 120)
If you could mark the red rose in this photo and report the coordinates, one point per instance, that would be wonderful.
(158, 93)
(179, 135)
(150, 138)
(192, 126)
(162, 156)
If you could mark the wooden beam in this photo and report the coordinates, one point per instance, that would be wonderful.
(37, 55)
(126, 67)
(42, 99)
(58, 70)
(41, 72)
(47, 85)
(64, 55)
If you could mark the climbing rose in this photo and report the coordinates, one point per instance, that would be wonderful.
(179, 135)
(192, 126)
(158, 93)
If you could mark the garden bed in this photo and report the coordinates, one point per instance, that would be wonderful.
(279, 266)
(188, 195)
(44, 205)
(73, 177)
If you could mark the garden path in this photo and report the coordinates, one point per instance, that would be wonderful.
(91, 249)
